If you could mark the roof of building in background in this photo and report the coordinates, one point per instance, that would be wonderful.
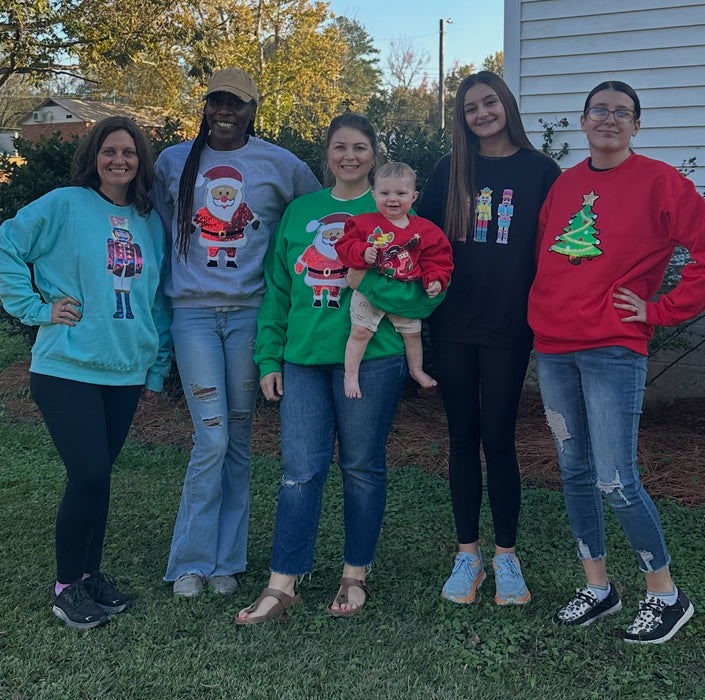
(92, 111)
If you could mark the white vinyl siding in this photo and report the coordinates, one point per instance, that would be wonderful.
(556, 51)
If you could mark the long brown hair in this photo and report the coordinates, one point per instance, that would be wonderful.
(84, 171)
(462, 188)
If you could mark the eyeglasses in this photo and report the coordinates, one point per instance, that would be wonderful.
(600, 114)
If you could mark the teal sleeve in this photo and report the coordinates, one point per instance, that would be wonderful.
(24, 239)
(407, 299)
(161, 313)
(273, 315)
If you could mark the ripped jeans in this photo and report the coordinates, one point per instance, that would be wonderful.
(593, 400)
(214, 350)
(313, 409)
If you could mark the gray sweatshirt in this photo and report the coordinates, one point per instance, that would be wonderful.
(239, 198)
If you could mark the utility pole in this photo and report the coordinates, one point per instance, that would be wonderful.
(441, 72)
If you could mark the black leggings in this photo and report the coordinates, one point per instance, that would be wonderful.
(88, 424)
(481, 387)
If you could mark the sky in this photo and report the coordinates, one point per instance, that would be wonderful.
(476, 30)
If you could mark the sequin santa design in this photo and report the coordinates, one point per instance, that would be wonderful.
(224, 218)
(324, 271)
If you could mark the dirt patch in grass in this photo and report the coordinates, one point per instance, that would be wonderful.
(670, 456)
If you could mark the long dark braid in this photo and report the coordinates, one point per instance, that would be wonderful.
(187, 185)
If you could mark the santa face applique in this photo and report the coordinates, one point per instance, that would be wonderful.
(124, 263)
(223, 219)
(324, 271)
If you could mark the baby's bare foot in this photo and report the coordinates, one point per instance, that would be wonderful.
(424, 380)
(351, 386)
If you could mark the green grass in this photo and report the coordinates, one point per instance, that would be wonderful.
(407, 643)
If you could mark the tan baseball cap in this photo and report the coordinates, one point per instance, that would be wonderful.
(235, 81)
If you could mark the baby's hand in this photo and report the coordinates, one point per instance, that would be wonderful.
(370, 255)
(434, 288)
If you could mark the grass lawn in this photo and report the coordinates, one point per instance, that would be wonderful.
(407, 643)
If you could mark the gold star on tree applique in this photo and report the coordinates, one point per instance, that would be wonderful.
(589, 199)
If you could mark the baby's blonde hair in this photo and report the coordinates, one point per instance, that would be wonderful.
(398, 170)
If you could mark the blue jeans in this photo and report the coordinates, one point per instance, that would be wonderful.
(593, 401)
(214, 350)
(313, 409)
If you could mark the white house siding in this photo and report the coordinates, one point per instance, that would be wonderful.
(556, 51)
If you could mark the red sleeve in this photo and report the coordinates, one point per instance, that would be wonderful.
(684, 221)
(351, 247)
(436, 256)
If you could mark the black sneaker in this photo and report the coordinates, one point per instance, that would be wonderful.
(657, 622)
(585, 608)
(77, 609)
(102, 589)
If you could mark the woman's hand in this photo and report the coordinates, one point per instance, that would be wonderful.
(627, 300)
(65, 311)
(354, 277)
(272, 386)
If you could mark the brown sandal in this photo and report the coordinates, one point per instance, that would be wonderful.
(284, 602)
(342, 597)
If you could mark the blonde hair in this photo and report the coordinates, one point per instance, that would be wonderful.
(398, 170)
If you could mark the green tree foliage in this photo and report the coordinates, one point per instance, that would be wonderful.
(47, 166)
(360, 75)
(419, 147)
(32, 41)
(494, 63)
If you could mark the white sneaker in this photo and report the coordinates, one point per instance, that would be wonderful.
(189, 585)
(223, 584)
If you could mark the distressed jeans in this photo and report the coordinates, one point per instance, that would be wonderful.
(313, 409)
(593, 401)
(214, 350)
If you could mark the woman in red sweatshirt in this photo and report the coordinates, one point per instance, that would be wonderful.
(607, 231)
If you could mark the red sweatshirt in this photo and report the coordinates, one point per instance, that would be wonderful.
(419, 251)
(599, 230)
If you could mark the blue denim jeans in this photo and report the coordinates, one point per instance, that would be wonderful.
(593, 401)
(214, 350)
(313, 409)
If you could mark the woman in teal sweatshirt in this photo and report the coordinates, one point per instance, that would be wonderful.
(97, 250)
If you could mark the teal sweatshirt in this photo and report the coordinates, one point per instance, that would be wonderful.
(103, 255)
(305, 313)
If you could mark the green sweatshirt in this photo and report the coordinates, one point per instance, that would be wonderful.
(305, 314)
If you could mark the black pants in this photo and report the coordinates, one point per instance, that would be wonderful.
(88, 424)
(481, 387)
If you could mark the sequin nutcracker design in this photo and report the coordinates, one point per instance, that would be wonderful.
(124, 264)
(224, 218)
(483, 214)
(505, 211)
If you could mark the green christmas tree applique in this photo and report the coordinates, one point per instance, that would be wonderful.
(579, 240)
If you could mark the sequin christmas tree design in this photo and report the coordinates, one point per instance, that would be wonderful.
(579, 240)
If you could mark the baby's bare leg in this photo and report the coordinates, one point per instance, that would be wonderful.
(354, 352)
(414, 358)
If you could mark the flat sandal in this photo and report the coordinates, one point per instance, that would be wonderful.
(284, 602)
(342, 597)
